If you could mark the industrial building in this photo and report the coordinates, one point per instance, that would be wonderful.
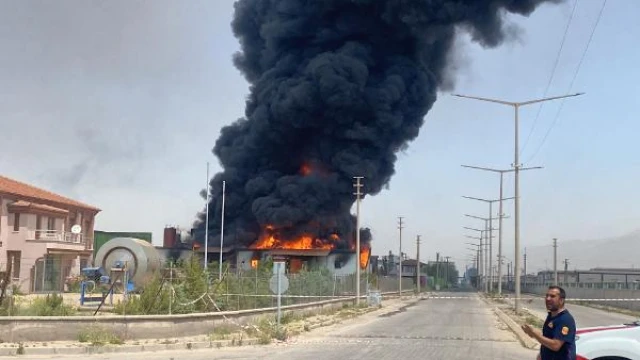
(338, 262)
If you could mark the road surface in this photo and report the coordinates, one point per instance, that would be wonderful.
(430, 329)
(585, 316)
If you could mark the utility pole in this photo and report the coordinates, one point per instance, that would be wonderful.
(446, 279)
(478, 251)
(400, 226)
(566, 269)
(490, 232)
(206, 226)
(358, 194)
(480, 268)
(475, 260)
(488, 235)
(555, 261)
(525, 268)
(224, 192)
(500, 212)
(418, 263)
(481, 257)
(516, 165)
(437, 269)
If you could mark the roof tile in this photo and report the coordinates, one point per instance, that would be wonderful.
(14, 187)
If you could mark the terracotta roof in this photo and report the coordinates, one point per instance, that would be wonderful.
(14, 187)
(36, 206)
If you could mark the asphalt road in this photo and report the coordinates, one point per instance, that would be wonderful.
(431, 329)
(585, 316)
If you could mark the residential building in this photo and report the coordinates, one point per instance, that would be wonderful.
(40, 246)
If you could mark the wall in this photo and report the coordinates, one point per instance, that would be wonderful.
(56, 328)
(4, 231)
(101, 237)
(609, 291)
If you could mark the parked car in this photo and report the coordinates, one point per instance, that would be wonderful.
(617, 342)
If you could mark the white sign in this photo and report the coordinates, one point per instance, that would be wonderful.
(284, 284)
(76, 229)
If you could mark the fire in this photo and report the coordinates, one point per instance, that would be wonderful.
(270, 240)
(305, 170)
(364, 256)
(254, 263)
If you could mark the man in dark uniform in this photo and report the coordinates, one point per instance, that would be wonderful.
(557, 341)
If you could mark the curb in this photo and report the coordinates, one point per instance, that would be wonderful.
(79, 350)
(194, 345)
(524, 339)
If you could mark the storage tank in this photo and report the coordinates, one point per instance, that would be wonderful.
(141, 258)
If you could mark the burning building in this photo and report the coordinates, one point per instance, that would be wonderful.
(337, 88)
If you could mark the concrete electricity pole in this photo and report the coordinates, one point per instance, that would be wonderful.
(358, 194)
(206, 226)
(476, 260)
(418, 263)
(516, 165)
(555, 261)
(400, 227)
(437, 269)
(500, 212)
(479, 283)
(490, 231)
(525, 268)
(481, 252)
(488, 235)
(446, 279)
(566, 269)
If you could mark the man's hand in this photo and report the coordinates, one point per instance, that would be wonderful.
(539, 357)
(528, 330)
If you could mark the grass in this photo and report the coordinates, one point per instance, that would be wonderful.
(98, 337)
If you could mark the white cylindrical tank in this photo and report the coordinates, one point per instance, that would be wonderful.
(141, 258)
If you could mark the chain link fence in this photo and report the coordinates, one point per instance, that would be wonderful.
(185, 287)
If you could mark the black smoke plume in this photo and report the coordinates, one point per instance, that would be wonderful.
(338, 87)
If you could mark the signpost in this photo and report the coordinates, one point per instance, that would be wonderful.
(278, 283)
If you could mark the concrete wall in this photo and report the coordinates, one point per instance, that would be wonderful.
(67, 328)
(575, 293)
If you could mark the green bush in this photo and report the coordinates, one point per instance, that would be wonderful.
(52, 305)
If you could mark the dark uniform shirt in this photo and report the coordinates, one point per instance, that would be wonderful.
(562, 326)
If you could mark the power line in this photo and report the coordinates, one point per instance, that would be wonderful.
(553, 72)
(575, 75)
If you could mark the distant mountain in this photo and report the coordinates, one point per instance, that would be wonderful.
(615, 252)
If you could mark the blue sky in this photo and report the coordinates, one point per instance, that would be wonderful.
(121, 108)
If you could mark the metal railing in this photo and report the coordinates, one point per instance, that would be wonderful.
(56, 236)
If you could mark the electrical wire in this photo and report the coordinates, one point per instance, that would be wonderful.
(575, 75)
(553, 72)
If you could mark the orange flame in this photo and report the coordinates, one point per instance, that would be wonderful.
(254, 263)
(271, 240)
(365, 252)
(304, 242)
(305, 170)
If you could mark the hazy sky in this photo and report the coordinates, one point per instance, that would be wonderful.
(118, 104)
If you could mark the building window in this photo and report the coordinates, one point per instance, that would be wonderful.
(16, 222)
(51, 223)
(13, 259)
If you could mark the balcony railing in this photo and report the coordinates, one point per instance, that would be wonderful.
(57, 236)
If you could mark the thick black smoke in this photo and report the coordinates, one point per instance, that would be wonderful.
(338, 85)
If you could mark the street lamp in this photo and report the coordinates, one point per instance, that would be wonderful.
(501, 214)
(358, 194)
(485, 261)
(490, 230)
(516, 166)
